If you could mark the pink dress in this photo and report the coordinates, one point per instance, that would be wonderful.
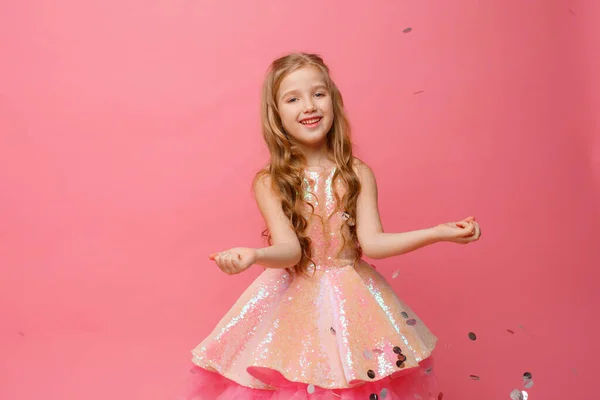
(339, 333)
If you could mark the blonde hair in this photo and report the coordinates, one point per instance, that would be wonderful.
(287, 163)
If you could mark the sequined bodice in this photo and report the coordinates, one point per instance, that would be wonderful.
(327, 228)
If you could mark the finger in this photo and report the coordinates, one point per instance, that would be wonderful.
(469, 219)
(213, 256)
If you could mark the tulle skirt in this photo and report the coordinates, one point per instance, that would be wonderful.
(413, 384)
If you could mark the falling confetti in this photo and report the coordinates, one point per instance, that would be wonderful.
(528, 384)
(371, 374)
(373, 396)
(377, 351)
(22, 334)
(521, 326)
(368, 355)
(472, 336)
(419, 92)
(428, 371)
(404, 314)
(517, 394)
(411, 322)
(395, 274)
(310, 389)
(332, 330)
(572, 12)
(407, 30)
(527, 375)
(384, 393)
(474, 377)
(574, 371)
(440, 396)
(510, 331)
(193, 370)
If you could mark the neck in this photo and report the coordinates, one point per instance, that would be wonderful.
(316, 156)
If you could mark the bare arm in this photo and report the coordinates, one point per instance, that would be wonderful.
(285, 250)
(374, 242)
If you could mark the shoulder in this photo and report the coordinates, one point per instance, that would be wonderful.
(364, 172)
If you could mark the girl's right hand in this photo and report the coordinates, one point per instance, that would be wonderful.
(462, 232)
(234, 261)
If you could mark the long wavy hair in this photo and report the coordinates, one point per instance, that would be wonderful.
(287, 162)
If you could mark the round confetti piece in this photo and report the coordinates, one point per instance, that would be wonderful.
(371, 374)
(400, 364)
(310, 389)
(474, 377)
(517, 394)
(384, 393)
(472, 336)
(528, 384)
(527, 375)
(404, 314)
(368, 355)
(411, 322)
(406, 30)
(397, 350)
(428, 370)
(510, 331)
(373, 396)
(401, 357)
(332, 330)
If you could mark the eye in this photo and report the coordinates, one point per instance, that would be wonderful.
(293, 99)
(319, 94)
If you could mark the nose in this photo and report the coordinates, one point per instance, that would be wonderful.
(309, 107)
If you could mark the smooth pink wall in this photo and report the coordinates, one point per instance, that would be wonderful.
(129, 135)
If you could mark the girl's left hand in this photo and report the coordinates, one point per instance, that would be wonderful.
(462, 232)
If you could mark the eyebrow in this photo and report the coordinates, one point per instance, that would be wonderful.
(315, 86)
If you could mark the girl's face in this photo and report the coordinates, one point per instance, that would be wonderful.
(305, 106)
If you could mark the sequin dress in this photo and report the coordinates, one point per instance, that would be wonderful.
(338, 333)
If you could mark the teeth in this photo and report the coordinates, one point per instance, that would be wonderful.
(310, 121)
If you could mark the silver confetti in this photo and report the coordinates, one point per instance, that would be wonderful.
(528, 383)
(368, 355)
(517, 394)
(404, 314)
(395, 274)
(384, 393)
(310, 389)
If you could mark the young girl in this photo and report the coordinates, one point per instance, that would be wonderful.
(319, 322)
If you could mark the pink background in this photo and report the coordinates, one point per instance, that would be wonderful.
(129, 135)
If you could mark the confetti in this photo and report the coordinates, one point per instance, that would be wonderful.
(384, 393)
(310, 389)
(368, 355)
(572, 12)
(395, 274)
(373, 396)
(22, 334)
(397, 350)
(377, 351)
(411, 322)
(371, 374)
(428, 371)
(521, 326)
(574, 371)
(510, 331)
(517, 394)
(332, 330)
(472, 336)
(419, 92)
(407, 30)
(527, 375)
(474, 377)
(404, 314)
(528, 384)
(440, 396)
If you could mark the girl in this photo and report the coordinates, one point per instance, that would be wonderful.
(319, 322)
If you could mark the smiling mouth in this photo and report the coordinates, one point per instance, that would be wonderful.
(311, 121)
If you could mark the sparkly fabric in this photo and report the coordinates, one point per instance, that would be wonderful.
(340, 328)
